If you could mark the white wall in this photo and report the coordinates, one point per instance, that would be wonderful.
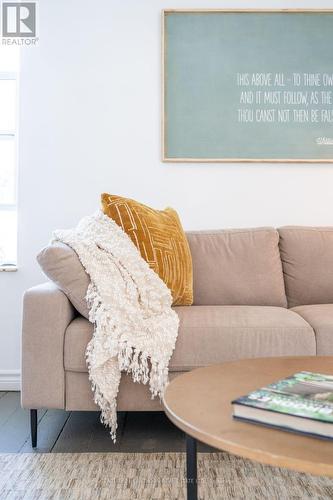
(90, 122)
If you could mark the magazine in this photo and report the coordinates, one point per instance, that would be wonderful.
(302, 402)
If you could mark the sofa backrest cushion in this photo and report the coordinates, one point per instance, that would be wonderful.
(61, 264)
(307, 259)
(237, 267)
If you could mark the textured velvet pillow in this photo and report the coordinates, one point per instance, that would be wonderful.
(159, 236)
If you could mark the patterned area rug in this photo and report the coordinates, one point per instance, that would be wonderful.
(144, 476)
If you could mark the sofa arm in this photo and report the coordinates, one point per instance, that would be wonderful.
(46, 314)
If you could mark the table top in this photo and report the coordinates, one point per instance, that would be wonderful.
(199, 403)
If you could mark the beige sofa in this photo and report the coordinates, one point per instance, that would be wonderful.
(257, 292)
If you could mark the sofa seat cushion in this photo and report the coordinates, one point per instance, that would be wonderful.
(214, 334)
(320, 317)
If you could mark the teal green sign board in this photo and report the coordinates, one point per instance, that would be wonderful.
(248, 86)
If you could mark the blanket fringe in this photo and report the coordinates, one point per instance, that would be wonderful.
(130, 360)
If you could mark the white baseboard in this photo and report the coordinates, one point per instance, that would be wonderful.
(10, 380)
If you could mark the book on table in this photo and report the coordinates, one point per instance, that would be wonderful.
(302, 403)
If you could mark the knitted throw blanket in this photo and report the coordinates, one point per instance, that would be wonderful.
(135, 329)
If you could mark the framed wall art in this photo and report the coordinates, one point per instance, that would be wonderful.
(247, 86)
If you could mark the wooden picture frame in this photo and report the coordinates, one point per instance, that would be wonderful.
(187, 129)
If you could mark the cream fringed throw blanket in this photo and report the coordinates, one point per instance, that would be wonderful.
(130, 306)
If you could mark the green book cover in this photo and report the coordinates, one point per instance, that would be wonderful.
(304, 394)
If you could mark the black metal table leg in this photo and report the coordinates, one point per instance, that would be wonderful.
(33, 427)
(191, 468)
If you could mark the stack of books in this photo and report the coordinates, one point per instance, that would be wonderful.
(300, 403)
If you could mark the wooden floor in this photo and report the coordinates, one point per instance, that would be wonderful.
(65, 432)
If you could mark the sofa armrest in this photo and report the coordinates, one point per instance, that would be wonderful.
(46, 314)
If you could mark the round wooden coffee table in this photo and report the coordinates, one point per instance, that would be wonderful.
(199, 403)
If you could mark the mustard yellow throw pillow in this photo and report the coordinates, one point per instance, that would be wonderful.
(159, 236)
